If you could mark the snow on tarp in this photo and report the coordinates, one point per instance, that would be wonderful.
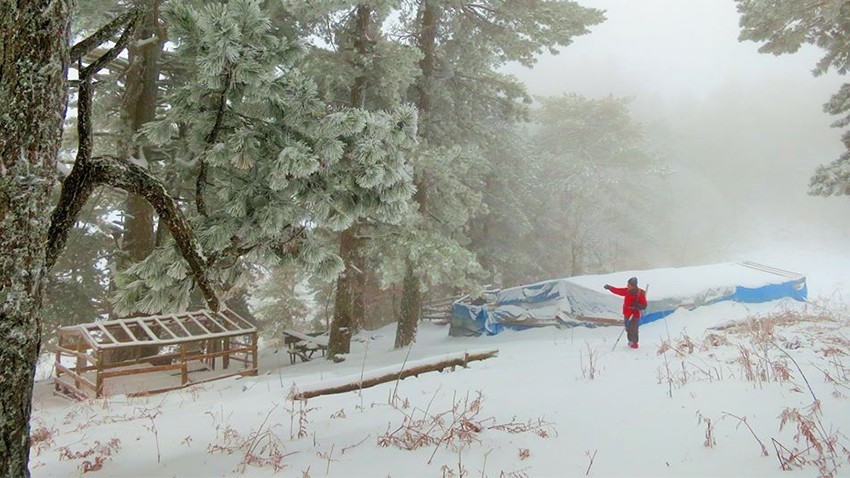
(582, 300)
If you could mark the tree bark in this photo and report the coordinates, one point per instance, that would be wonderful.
(411, 300)
(139, 107)
(411, 307)
(348, 304)
(349, 308)
(33, 99)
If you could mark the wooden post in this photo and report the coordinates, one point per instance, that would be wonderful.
(225, 360)
(184, 372)
(99, 377)
(78, 367)
(57, 362)
(254, 352)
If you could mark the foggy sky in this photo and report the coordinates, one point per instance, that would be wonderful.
(673, 48)
(747, 129)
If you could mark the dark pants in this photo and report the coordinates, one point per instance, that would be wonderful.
(632, 324)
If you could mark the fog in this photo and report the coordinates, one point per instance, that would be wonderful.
(741, 131)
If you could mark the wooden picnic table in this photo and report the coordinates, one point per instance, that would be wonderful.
(304, 346)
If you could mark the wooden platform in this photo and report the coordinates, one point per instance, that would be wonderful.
(143, 355)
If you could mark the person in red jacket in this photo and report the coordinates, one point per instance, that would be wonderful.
(634, 301)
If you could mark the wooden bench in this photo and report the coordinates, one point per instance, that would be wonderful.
(304, 346)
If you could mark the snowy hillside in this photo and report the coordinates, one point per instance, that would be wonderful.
(723, 390)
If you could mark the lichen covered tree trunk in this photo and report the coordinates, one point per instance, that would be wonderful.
(411, 305)
(348, 303)
(33, 91)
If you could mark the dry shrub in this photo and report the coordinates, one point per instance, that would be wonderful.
(455, 428)
(683, 346)
(262, 447)
(591, 369)
(94, 456)
(822, 448)
(710, 441)
(715, 340)
(762, 329)
(41, 438)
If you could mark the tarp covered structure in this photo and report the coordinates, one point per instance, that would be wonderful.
(582, 300)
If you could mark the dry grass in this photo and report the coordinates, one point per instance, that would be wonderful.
(93, 457)
(770, 349)
(260, 448)
(455, 428)
(590, 364)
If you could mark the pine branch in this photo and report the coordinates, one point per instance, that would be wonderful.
(212, 137)
(104, 34)
(88, 174)
(123, 174)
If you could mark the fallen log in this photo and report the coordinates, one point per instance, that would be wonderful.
(384, 375)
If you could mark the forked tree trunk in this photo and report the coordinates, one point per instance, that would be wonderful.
(33, 90)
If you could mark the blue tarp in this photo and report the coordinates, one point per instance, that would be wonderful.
(582, 301)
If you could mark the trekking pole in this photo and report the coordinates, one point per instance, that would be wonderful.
(618, 339)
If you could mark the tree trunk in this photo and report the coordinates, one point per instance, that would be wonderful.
(349, 309)
(421, 366)
(411, 305)
(348, 304)
(138, 108)
(33, 98)
(411, 299)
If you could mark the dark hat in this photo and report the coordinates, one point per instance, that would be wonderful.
(633, 281)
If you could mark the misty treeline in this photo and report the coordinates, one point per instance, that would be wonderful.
(339, 161)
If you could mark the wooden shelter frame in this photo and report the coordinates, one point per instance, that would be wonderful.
(87, 355)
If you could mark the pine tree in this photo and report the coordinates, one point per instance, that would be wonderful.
(460, 94)
(357, 65)
(138, 106)
(272, 166)
(785, 26)
(282, 301)
(594, 160)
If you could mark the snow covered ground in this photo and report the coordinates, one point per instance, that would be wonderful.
(694, 400)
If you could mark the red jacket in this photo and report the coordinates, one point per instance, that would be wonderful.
(631, 300)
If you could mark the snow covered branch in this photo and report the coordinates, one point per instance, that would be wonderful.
(122, 174)
(89, 173)
(104, 34)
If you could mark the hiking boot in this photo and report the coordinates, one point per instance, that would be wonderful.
(633, 345)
